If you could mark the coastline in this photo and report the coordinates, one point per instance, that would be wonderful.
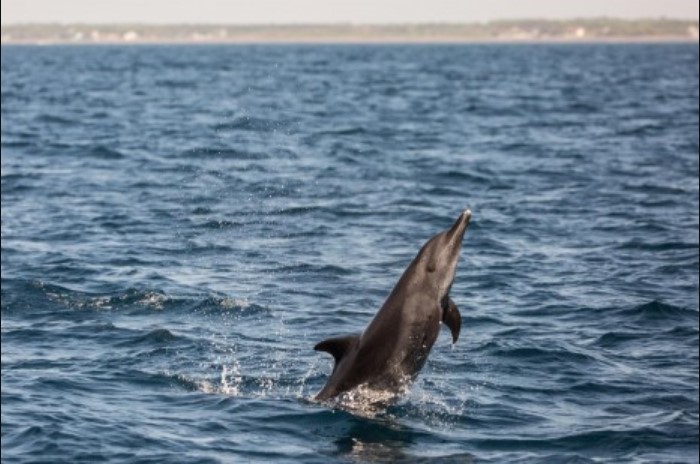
(529, 31)
(365, 41)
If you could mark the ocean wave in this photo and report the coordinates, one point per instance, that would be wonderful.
(56, 119)
(305, 268)
(223, 153)
(128, 299)
(640, 244)
(104, 152)
(248, 123)
(657, 310)
(220, 224)
(355, 130)
(536, 354)
(154, 337)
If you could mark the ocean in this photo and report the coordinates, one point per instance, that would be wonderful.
(181, 224)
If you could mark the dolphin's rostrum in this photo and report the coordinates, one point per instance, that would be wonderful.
(391, 351)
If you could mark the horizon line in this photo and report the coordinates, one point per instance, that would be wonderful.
(349, 23)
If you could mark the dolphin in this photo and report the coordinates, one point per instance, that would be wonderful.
(391, 351)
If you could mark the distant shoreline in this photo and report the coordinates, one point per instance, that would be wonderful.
(533, 31)
(369, 41)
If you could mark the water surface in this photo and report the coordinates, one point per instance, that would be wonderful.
(181, 224)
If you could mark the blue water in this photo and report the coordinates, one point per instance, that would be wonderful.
(181, 224)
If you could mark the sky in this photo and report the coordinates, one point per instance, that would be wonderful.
(332, 11)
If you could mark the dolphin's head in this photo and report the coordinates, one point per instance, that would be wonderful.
(438, 258)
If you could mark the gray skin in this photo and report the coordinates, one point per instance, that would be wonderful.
(393, 348)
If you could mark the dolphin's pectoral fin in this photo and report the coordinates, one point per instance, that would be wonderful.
(452, 319)
(337, 346)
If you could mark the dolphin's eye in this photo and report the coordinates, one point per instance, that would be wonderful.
(431, 266)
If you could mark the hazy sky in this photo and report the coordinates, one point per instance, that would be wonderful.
(324, 11)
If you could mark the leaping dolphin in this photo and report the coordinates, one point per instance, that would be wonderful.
(391, 351)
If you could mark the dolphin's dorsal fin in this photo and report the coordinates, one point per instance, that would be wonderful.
(452, 319)
(337, 346)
